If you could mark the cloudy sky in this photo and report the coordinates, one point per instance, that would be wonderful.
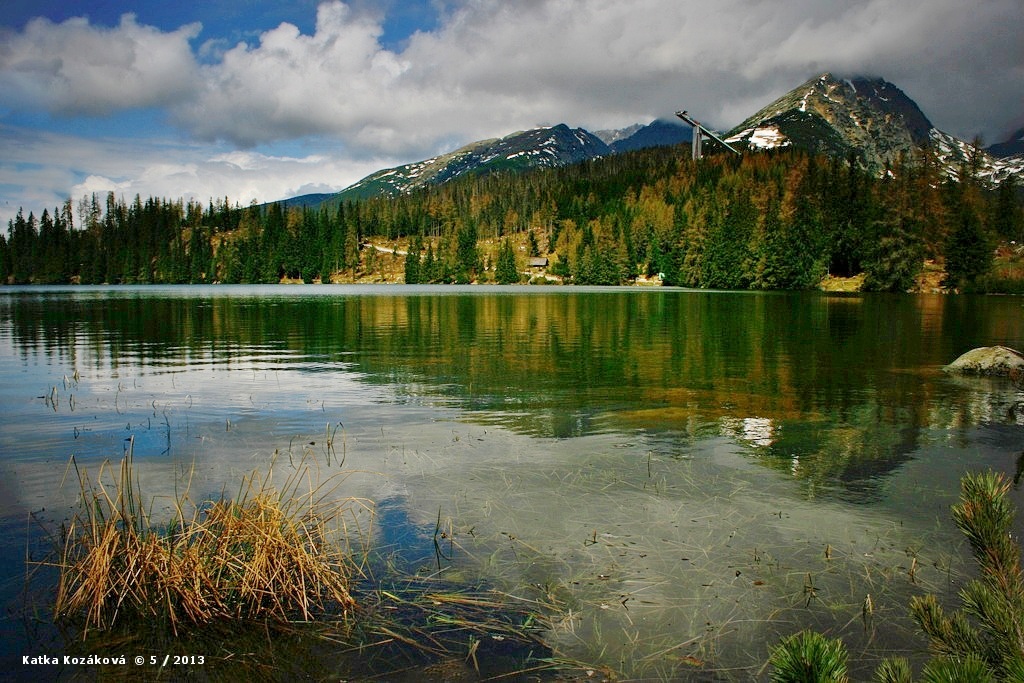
(258, 99)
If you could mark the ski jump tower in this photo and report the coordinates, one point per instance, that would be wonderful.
(699, 132)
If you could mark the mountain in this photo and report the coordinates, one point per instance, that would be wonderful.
(1012, 146)
(869, 118)
(537, 148)
(304, 200)
(540, 147)
(658, 133)
(611, 136)
(955, 154)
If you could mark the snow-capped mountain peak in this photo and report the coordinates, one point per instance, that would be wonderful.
(867, 116)
(535, 148)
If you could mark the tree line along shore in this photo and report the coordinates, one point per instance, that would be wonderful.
(779, 220)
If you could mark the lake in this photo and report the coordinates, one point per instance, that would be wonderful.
(689, 475)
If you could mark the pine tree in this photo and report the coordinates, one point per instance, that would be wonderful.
(968, 249)
(5, 267)
(506, 272)
(980, 642)
(413, 271)
(531, 244)
(22, 241)
(895, 257)
(986, 631)
(727, 260)
(809, 657)
(467, 258)
(353, 236)
(1007, 217)
(428, 269)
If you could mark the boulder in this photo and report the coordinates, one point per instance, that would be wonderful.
(989, 360)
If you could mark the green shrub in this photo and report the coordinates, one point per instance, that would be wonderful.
(982, 641)
(809, 657)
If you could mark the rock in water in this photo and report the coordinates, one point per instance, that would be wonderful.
(989, 360)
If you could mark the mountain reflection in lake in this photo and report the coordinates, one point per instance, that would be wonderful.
(689, 475)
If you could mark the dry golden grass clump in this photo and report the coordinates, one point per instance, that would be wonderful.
(235, 570)
(269, 553)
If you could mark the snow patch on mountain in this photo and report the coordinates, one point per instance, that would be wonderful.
(534, 148)
(868, 118)
(957, 157)
(768, 137)
(871, 119)
(761, 137)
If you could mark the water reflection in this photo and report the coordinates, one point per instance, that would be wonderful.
(852, 378)
(640, 455)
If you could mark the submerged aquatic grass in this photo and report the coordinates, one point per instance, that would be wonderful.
(272, 578)
(268, 553)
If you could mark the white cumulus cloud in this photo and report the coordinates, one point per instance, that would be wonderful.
(493, 66)
(41, 170)
(490, 67)
(74, 68)
(292, 85)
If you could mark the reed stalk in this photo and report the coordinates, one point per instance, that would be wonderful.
(269, 553)
(276, 560)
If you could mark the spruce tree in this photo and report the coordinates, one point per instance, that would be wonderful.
(467, 258)
(505, 272)
(727, 260)
(5, 268)
(413, 274)
(353, 236)
(49, 263)
(428, 270)
(1007, 217)
(895, 257)
(772, 264)
(968, 249)
(531, 244)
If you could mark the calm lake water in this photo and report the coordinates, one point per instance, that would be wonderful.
(691, 475)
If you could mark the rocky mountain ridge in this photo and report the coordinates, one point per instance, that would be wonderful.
(657, 133)
(536, 148)
(869, 119)
(953, 154)
(1012, 146)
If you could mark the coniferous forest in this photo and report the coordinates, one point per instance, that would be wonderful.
(779, 220)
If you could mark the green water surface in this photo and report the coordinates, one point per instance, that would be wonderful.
(687, 475)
